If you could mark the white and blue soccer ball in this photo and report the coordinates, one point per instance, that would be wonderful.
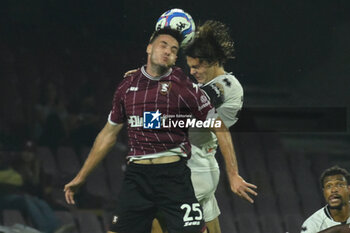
(179, 20)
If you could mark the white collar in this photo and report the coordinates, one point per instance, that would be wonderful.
(143, 70)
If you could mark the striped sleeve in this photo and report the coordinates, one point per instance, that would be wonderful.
(117, 114)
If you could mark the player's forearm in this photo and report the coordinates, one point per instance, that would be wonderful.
(337, 229)
(227, 149)
(228, 152)
(104, 142)
(98, 152)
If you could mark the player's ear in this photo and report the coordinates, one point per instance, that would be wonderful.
(149, 48)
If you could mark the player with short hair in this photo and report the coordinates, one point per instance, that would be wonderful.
(335, 183)
(157, 178)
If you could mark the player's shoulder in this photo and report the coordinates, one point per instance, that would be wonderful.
(315, 220)
(321, 213)
(132, 76)
(228, 85)
(177, 71)
(179, 75)
(127, 81)
(179, 79)
(228, 80)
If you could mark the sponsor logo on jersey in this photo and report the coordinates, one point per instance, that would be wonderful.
(133, 88)
(204, 105)
(204, 99)
(135, 121)
(164, 87)
(193, 223)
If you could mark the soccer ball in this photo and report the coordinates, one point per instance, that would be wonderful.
(179, 20)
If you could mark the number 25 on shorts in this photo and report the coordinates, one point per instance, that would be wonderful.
(189, 220)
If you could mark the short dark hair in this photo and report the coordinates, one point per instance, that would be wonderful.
(212, 43)
(167, 31)
(332, 171)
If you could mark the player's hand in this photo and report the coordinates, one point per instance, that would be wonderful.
(242, 188)
(129, 72)
(72, 188)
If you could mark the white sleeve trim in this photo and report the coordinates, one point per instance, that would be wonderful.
(110, 121)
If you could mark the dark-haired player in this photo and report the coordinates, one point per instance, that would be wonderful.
(206, 57)
(157, 178)
(336, 190)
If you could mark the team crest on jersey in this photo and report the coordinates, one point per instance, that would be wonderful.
(204, 99)
(164, 87)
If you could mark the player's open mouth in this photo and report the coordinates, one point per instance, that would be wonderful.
(334, 198)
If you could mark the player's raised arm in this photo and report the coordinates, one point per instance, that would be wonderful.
(105, 140)
(238, 185)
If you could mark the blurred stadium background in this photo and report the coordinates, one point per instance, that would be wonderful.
(60, 62)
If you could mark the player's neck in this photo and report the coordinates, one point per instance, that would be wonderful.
(156, 71)
(219, 70)
(214, 72)
(342, 214)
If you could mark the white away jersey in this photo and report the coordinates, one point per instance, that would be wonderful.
(226, 91)
(319, 221)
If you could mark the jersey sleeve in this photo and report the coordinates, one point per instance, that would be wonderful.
(309, 226)
(230, 92)
(117, 114)
(216, 96)
(317, 222)
(197, 101)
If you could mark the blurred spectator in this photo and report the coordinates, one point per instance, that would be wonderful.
(11, 110)
(10, 179)
(85, 124)
(28, 166)
(12, 196)
(52, 117)
(17, 228)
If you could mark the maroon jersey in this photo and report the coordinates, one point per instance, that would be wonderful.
(172, 94)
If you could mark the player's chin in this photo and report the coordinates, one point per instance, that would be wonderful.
(167, 65)
(163, 64)
(201, 81)
(335, 206)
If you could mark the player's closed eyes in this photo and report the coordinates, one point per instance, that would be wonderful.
(164, 45)
(337, 185)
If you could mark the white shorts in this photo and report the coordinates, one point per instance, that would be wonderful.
(205, 176)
